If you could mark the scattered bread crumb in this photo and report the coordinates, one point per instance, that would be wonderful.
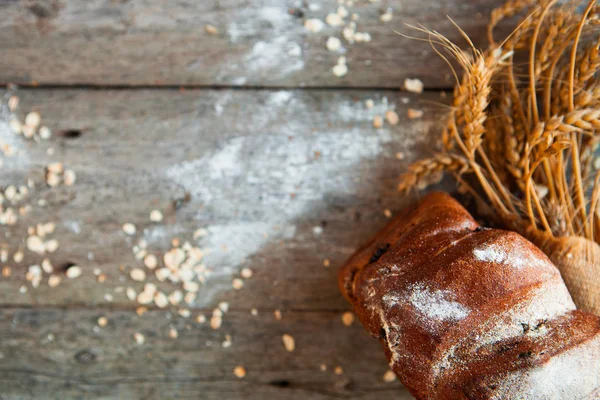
(414, 114)
(342, 12)
(18, 256)
(184, 312)
(314, 25)
(413, 85)
(150, 261)
(129, 229)
(334, 20)
(69, 177)
(137, 274)
(54, 281)
(389, 376)
(288, 342)
(131, 293)
(211, 30)
(347, 318)
(246, 273)
(377, 122)
(45, 133)
(333, 43)
(237, 283)
(33, 119)
(239, 371)
(35, 244)
(51, 245)
(156, 216)
(173, 334)
(161, 300)
(340, 70)
(392, 117)
(139, 338)
(217, 319)
(74, 271)
(13, 103)
(387, 16)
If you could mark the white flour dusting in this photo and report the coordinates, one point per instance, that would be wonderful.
(20, 158)
(222, 102)
(224, 179)
(242, 168)
(265, 57)
(498, 253)
(227, 246)
(357, 112)
(437, 305)
(490, 253)
(280, 98)
(73, 225)
(274, 53)
(227, 177)
(569, 375)
(352, 112)
(256, 21)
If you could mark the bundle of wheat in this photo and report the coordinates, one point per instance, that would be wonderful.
(520, 137)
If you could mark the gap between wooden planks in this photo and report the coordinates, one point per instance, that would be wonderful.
(263, 170)
(104, 42)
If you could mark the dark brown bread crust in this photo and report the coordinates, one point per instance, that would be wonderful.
(469, 312)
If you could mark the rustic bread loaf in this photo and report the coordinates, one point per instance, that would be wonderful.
(466, 312)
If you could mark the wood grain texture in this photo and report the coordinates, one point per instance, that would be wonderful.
(63, 354)
(158, 42)
(262, 169)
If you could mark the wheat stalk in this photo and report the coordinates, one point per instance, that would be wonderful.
(527, 138)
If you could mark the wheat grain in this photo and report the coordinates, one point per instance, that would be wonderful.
(427, 172)
(497, 131)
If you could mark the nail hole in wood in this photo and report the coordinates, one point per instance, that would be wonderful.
(64, 267)
(282, 383)
(71, 133)
(296, 13)
(85, 357)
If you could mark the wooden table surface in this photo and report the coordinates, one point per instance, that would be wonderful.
(245, 133)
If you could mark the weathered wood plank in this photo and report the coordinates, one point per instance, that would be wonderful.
(155, 42)
(265, 171)
(63, 354)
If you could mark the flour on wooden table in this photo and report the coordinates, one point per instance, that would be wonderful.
(17, 145)
(73, 225)
(266, 55)
(224, 179)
